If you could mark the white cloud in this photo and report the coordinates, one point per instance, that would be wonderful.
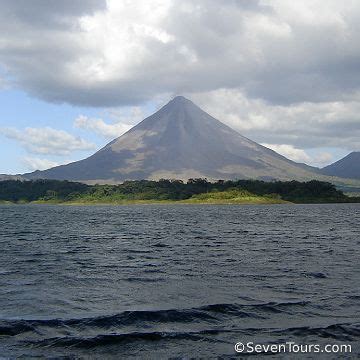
(109, 131)
(47, 140)
(322, 159)
(290, 152)
(126, 115)
(317, 158)
(302, 125)
(32, 163)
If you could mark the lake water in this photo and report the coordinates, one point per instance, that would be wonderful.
(177, 281)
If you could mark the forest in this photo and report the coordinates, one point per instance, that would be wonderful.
(55, 191)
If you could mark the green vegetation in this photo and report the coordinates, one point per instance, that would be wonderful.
(164, 191)
(5, 202)
(27, 191)
(353, 194)
(233, 196)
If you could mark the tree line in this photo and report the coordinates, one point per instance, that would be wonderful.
(294, 191)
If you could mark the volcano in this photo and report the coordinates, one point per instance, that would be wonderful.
(180, 141)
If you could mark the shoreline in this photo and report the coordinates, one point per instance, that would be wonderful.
(166, 202)
(152, 202)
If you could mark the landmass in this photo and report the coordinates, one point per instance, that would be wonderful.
(194, 191)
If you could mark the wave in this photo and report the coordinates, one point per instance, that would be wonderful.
(109, 339)
(273, 307)
(204, 323)
(339, 332)
(212, 313)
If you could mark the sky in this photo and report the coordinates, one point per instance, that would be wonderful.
(74, 74)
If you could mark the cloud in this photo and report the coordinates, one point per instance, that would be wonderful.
(47, 140)
(128, 115)
(109, 131)
(32, 163)
(318, 159)
(114, 53)
(290, 152)
(301, 125)
(322, 159)
(44, 13)
(281, 72)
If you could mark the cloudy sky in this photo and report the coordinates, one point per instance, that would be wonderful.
(74, 74)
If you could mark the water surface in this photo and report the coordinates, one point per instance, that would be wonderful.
(176, 281)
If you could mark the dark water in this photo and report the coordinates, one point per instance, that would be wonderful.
(177, 281)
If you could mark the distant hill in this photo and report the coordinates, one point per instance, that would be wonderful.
(180, 141)
(347, 167)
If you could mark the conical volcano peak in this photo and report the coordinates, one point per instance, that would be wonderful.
(182, 107)
(178, 109)
(179, 141)
(180, 101)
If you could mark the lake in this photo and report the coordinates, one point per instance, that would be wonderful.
(177, 281)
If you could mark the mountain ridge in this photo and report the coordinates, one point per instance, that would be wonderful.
(348, 166)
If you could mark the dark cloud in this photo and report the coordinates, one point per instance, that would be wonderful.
(122, 54)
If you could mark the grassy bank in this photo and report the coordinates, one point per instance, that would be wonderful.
(217, 197)
(233, 196)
